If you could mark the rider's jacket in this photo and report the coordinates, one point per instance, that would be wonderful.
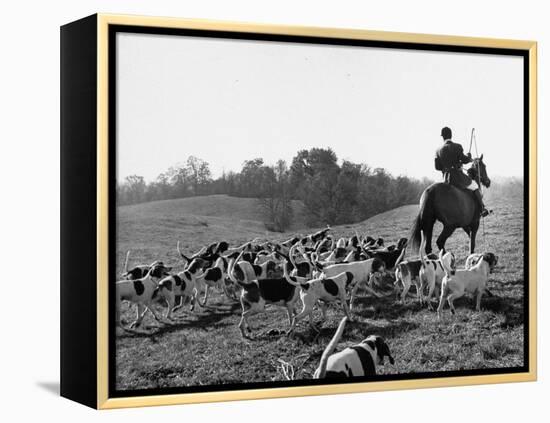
(449, 159)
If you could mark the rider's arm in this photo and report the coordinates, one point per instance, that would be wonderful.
(437, 163)
(462, 157)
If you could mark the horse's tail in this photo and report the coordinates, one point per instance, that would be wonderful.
(416, 233)
(419, 222)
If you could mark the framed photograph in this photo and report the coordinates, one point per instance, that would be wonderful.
(260, 211)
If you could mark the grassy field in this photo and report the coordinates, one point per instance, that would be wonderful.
(206, 347)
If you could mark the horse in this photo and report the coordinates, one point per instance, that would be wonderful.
(453, 207)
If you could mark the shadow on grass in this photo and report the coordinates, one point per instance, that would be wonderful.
(511, 308)
(355, 331)
(385, 307)
(211, 317)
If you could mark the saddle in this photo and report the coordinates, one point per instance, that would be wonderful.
(457, 178)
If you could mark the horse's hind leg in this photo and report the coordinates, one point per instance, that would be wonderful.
(473, 233)
(443, 236)
(428, 233)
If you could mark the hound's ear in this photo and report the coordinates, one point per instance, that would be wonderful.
(481, 157)
(377, 265)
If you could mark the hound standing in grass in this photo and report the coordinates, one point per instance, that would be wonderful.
(321, 290)
(422, 272)
(473, 280)
(362, 272)
(358, 360)
(140, 292)
(257, 293)
(139, 271)
(180, 285)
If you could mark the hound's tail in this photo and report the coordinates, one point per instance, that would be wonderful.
(446, 269)
(231, 274)
(322, 369)
(293, 280)
(126, 262)
(183, 256)
(400, 258)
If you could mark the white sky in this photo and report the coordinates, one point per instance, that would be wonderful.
(226, 101)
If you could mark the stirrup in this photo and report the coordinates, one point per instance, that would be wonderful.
(485, 212)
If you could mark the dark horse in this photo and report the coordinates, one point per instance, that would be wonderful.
(452, 206)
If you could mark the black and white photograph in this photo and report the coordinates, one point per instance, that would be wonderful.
(292, 211)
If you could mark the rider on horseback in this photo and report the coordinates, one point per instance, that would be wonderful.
(449, 160)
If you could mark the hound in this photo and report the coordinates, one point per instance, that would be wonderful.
(198, 255)
(422, 272)
(342, 243)
(139, 271)
(358, 360)
(362, 272)
(388, 256)
(355, 255)
(338, 255)
(323, 290)
(473, 280)
(472, 260)
(210, 278)
(246, 270)
(284, 247)
(180, 285)
(318, 236)
(139, 291)
(303, 267)
(265, 257)
(257, 293)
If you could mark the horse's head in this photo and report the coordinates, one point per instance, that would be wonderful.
(478, 171)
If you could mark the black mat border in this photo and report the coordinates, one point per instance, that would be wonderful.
(113, 30)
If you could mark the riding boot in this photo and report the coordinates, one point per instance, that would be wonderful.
(479, 199)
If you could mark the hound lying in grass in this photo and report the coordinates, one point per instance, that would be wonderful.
(321, 290)
(139, 291)
(473, 280)
(358, 360)
(257, 293)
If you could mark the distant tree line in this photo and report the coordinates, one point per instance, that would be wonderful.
(332, 193)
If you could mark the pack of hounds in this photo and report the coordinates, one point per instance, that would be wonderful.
(315, 270)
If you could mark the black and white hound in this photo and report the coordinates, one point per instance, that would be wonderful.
(174, 286)
(423, 272)
(257, 293)
(140, 292)
(388, 255)
(320, 290)
(139, 271)
(362, 272)
(358, 360)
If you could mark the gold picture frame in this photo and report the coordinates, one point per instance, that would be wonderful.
(102, 23)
